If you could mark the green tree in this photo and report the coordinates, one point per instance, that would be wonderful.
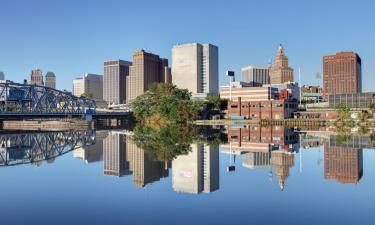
(167, 102)
(216, 103)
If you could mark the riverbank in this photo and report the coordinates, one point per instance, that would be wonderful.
(46, 125)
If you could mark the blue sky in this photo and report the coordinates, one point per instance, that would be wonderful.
(72, 37)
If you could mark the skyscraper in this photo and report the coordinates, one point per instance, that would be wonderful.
(256, 75)
(198, 171)
(342, 73)
(280, 71)
(146, 68)
(196, 67)
(36, 77)
(89, 84)
(50, 80)
(114, 82)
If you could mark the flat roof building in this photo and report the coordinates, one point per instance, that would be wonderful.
(256, 75)
(89, 84)
(114, 81)
(196, 67)
(342, 73)
(146, 68)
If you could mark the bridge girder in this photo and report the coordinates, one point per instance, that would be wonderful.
(40, 100)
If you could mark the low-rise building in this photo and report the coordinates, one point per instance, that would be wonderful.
(247, 92)
(311, 93)
(263, 110)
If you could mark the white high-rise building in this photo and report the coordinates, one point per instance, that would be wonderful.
(196, 67)
(90, 84)
(197, 171)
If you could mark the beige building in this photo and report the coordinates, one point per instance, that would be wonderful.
(50, 80)
(90, 84)
(36, 77)
(239, 89)
(256, 75)
(198, 171)
(146, 68)
(195, 67)
(280, 71)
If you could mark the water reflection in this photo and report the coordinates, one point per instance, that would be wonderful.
(191, 155)
(24, 148)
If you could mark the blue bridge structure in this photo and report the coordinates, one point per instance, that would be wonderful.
(25, 101)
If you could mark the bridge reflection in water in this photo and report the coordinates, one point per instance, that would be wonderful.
(25, 148)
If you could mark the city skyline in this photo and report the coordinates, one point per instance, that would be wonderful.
(303, 37)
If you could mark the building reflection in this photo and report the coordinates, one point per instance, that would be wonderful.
(122, 157)
(144, 169)
(92, 153)
(342, 163)
(198, 171)
(264, 147)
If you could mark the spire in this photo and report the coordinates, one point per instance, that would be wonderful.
(280, 50)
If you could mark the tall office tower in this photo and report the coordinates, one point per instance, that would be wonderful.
(89, 84)
(256, 75)
(282, 162)
(2, 75)
(92, 153)
(196, 67)
(50, 80)
(343, 163)
(144, 169)
(342, 73)
(197, 171)
(114, 155)
(114, 82)
(146, 68)
(36, 77)
(280, 71)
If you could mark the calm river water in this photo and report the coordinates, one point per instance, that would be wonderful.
(237, 175)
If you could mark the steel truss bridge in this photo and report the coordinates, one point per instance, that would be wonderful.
(25, 148)
(24, 100)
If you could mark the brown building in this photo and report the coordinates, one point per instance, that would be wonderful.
(342, 73)
(36, 77)
(280, 71)
(343, 164)
(146, 68)
(268, 109)
(259, 139)
(145, 170)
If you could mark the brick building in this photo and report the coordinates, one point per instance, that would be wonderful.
(267, 109)
(342, 73)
